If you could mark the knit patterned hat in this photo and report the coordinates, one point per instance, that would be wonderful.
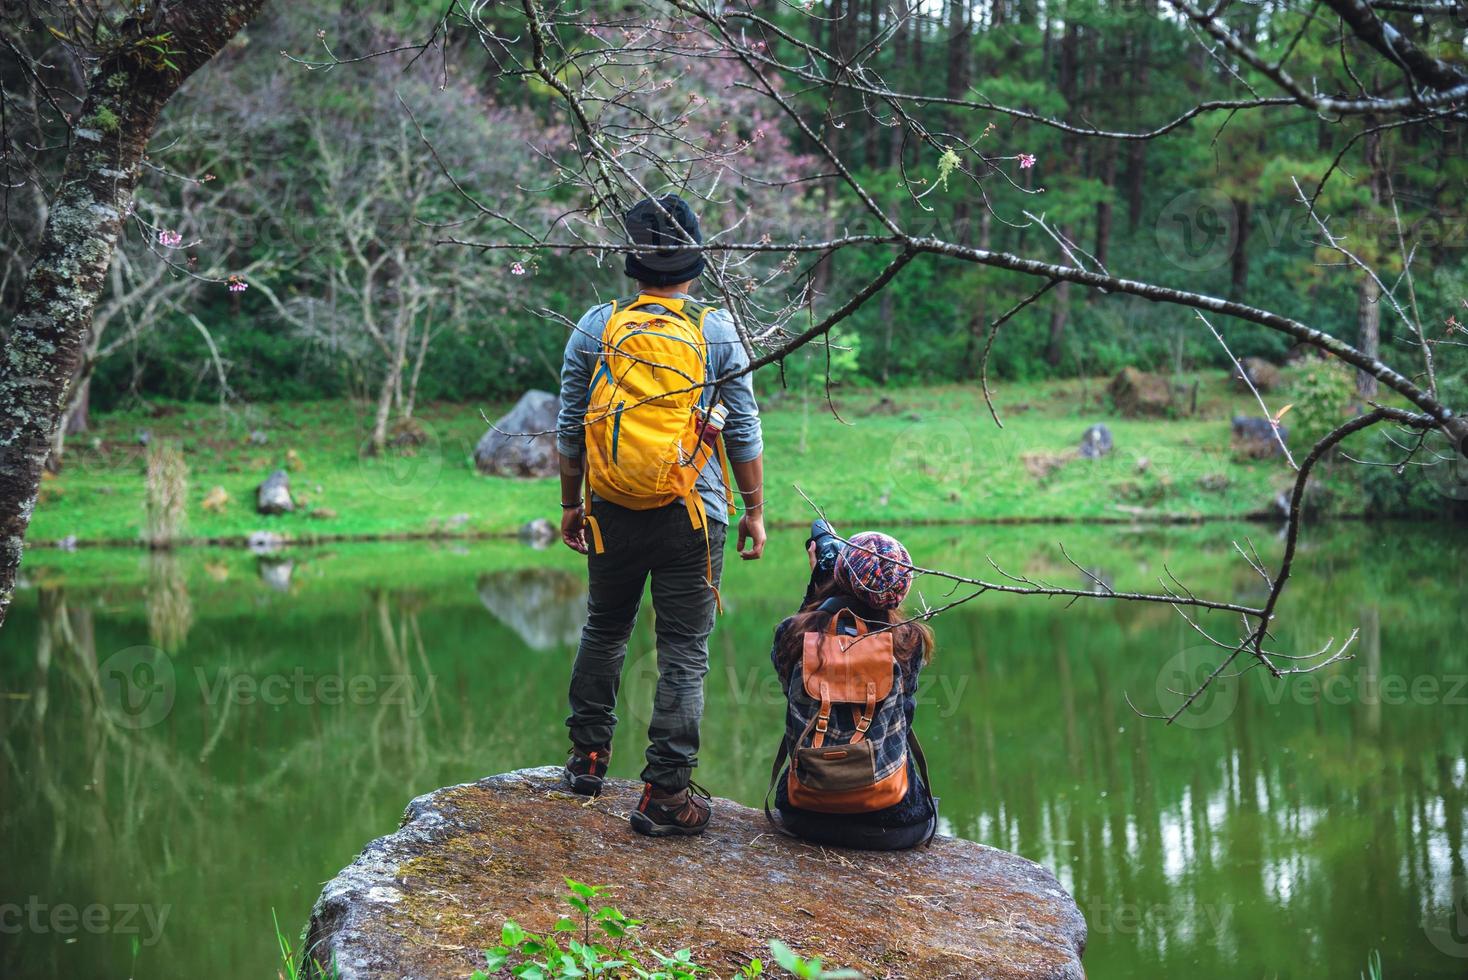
(875, 568)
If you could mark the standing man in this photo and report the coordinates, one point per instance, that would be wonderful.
(652, 363)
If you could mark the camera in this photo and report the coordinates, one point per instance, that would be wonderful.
(828, 547)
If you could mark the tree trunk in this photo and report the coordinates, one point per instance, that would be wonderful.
(124, 98)
(1239, 271)
(1368, 300)
(1368, 315)
(1059, 314)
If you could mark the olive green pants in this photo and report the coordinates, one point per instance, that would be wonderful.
(661, 543)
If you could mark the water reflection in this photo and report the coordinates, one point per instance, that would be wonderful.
(1310, 822)
(546, 607)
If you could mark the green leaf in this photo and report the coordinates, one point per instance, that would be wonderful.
(784, 955)
(566, 924)
(585, 891)
(511, 934)
(495, 958)
(579, 904)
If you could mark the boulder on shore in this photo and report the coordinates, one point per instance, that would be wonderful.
(1253, 437)
(1096, 442)
(1258, 373)
(273, 496)
(523, 442)
(426, 900)
(1137, 393)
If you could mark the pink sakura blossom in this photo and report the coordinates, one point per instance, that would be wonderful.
(170, 239)
(237, 284)
(1026, 161)
(517, 268)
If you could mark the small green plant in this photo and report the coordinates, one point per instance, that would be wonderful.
(1373, 966)
(807, 969)
(290, 968)
(608, 946)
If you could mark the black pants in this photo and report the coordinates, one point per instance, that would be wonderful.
(815, 828)
(661, 543)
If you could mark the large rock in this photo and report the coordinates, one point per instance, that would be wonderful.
(1095, 442)
(1263, 376)
(423, 902)
(1137, 393)
(1253, 437)
(523, 442)
(274, 495)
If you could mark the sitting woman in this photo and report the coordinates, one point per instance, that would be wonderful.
(849, 663)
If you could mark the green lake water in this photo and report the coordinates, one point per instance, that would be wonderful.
(193, 741)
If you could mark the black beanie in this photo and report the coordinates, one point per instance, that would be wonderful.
(668, 258)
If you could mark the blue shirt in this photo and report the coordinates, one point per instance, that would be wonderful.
(743, 440)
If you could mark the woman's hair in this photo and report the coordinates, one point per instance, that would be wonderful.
(909, 639)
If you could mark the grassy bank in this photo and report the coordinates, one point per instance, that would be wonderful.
(909, 455)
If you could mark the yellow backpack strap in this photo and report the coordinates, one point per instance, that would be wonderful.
(696, 514)
(724, 468)
(592, 525)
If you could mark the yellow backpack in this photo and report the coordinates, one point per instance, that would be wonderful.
(644, 445)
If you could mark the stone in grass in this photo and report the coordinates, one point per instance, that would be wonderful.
(425, 901)
(1253, 437)
(322, 514)
(216, 500)
(522, 443)
(1213, 482)
(273, 496)
(1137, 393)
(1096, 442)
(539, 533)
(1263, 376)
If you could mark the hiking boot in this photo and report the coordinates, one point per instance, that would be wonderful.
(661, 814)
(586, 770)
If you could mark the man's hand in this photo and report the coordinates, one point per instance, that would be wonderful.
(573, 528)
(752, 528)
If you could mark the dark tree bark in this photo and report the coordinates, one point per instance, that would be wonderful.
(125, 95)
(1239, 260)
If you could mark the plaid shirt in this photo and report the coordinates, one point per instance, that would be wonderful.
(889, 738)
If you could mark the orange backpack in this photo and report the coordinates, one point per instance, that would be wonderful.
(847, 736)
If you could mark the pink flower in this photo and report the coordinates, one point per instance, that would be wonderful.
(517, 268)
(170, 239)
(1026, 161)
(237, 284)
